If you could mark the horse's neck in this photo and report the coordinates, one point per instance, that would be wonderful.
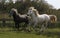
(15, 16)
(23, 16)
(38, 14)
(18, 14)
(33, 17)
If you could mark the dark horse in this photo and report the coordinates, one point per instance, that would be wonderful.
(18, 18)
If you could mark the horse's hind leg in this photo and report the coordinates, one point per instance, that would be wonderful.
(41, 30)
(44, 26)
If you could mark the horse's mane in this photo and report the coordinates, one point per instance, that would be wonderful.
(36, 12)
(31, 8)
(13, 9)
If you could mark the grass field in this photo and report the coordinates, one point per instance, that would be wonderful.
(49, 33)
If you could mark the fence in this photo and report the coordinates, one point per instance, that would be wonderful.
(6, 22)
(9, 23)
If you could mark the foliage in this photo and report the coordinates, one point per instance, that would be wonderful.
(23, 6)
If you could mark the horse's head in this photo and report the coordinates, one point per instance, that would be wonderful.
(30, 11)
(13, 11)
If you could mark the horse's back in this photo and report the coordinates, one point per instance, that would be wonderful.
(22, 16)
(44, 17)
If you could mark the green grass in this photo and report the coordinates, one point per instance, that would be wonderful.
(49, 33)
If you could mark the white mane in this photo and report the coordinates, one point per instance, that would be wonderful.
(36, 12)
(31, 8)
(13, 9)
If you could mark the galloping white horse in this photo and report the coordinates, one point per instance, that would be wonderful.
(42, 19)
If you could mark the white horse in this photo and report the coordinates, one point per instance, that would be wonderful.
(42, 19)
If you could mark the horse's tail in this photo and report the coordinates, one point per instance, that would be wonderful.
(53, 18)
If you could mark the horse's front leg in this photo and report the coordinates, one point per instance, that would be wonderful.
(17, 26)
(29, 26)
(34, 26)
